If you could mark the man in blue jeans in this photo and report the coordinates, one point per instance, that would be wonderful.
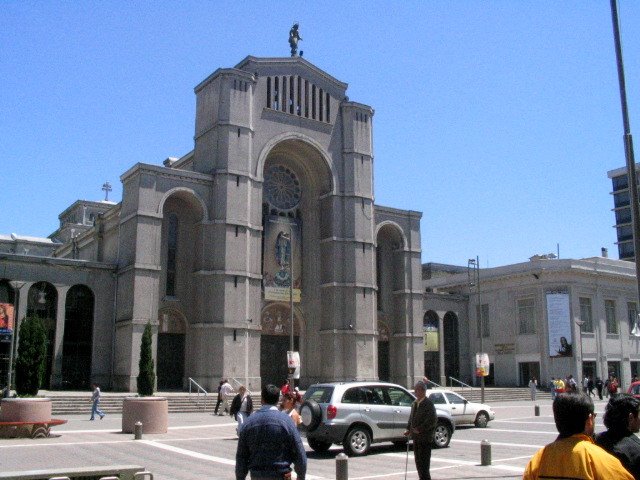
(95, 398)
(269, 443)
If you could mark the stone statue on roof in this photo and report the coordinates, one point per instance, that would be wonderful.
(294, 37)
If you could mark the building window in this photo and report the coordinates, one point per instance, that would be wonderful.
(621, 199)
(482, 320)
(586, 316)
(172, 249)
(610, 315)
(620, 183)
(526, 316)
(623, 216)
(632, 315)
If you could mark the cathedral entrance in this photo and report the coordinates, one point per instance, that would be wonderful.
(275, 342)
(171, 341)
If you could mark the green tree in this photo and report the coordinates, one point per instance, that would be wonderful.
(146, 375)
(32, 350)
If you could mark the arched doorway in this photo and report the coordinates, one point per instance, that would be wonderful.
(275, 341)
(77, 343)
(42, 302)
(451, 345)
(431, 345)
(170, 357)
(384, 372)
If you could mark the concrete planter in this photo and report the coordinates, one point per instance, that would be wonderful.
(36, 410)
(153, 412)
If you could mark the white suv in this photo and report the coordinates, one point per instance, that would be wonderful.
(357, 414)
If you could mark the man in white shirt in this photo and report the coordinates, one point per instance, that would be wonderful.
(226, 391)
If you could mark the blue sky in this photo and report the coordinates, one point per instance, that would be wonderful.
(497, 119)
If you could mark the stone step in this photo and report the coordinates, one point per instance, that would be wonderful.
(112, 403)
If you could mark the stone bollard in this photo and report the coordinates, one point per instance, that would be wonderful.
(485, 453)
(342, 467)
(137, 430)
(536, 410)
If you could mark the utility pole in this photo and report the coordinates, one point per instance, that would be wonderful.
(473, 265)
(628, 144)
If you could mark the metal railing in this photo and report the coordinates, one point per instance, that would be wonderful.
(235, 383)
(198, 390)
(453, 380)
(432, 384)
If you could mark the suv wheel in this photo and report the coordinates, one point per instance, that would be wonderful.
(311, 415)
(318, 446)
(357, 441)
(482, 420)
(442, 435)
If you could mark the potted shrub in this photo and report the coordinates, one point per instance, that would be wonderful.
(152, 412)
(30, 367)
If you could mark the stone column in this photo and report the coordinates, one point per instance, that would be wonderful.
(56, 367)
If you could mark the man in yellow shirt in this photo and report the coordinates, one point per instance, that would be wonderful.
(574, 454)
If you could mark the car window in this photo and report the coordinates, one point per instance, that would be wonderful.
(397, 396)
(353, 395)
(453, 398)
(321, 394)
(635, 389)
(373, 396)
(437, 398)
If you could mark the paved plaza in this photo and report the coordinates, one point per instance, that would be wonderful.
(200, 445)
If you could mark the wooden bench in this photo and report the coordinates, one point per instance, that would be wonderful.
(28, 429)
(118, 472)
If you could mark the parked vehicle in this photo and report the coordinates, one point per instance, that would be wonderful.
(357, 414)
(462, 410)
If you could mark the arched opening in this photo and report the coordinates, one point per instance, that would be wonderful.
(295, 214)
(431, 345)
(390, 280)
(181, 255)
(77, 345)
(384, 372)
(171, 342)
(42, 302)
(275, 341)
(451, 345)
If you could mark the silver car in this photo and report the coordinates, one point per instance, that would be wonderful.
(462, 410)
(357, 414)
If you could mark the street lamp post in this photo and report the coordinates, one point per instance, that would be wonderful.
(473, 272)
(291, 342)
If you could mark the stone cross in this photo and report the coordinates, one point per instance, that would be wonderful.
(106, 188)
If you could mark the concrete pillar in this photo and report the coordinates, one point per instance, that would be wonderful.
(56, 366)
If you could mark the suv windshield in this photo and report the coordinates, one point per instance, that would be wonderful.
(319, 393)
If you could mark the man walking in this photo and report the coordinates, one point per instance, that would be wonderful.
(95, 398)
(269, 443)
(621, 419)
(226, 391)
(421, 426)
(573, 454)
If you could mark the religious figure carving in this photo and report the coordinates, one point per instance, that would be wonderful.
(294, 37)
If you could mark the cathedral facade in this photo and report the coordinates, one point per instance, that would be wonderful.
(273, 208)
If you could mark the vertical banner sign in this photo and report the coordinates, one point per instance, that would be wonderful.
(293, 363)
(482, 365)
(431, 343)
(559, 325)
(277, 258)
(6, 318)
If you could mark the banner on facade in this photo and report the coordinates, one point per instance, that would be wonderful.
(559, 325)
(280, 234)
(431, 343)
(6, 318)
(293, 364)
(482, 365)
